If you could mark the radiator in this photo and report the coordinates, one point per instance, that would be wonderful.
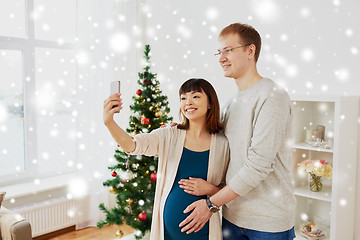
(49, 216)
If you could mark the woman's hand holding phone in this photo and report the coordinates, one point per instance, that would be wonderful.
(112, 105)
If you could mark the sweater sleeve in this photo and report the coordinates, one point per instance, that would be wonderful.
(269, 128)
(148, 143)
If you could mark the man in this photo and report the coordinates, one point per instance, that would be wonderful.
(258, 201)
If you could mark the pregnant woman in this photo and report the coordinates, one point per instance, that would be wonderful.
(195, 150)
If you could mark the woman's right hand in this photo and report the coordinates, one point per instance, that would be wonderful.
(109, 111)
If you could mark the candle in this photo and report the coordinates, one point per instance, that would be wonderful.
(321, 129)
(308, 136)
(316, 134)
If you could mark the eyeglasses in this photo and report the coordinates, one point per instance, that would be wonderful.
(227, 51)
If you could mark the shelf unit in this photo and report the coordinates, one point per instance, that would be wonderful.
(333, 208)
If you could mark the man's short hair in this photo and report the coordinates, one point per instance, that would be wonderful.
(247, 33)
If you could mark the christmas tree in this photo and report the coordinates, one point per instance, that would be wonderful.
(134, 177)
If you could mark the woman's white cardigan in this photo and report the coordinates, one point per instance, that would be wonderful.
(168, 144)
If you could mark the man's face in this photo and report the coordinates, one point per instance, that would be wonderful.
(236, 62)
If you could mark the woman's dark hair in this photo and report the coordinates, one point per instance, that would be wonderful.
(213, 124)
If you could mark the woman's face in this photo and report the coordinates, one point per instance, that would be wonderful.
(194, 105)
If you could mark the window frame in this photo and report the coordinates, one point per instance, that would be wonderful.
(27, 46)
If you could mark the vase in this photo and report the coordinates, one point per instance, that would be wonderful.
(315, 183)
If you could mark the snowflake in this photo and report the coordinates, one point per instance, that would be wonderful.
(305, 12)
(354, 51)
(37, 181)
(343, 202)
(119, 42)
(291, 70)
(349, 32)
(307, 54)
(304, 217)
(284, 37)
(336, 2)
(266, 10)
(309, 85)
(342, 74)
(212, 13)
(82, 58)
(324, 88)
(184, 31)
(77, 187)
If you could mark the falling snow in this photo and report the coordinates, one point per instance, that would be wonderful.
(302, 55)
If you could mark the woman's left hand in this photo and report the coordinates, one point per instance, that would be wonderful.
(198, 186)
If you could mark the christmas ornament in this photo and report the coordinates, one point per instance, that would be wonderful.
(135, 166)
(114, 174)
(153, 177)
(158, 113)
(139, 92)
(127, 176)
(146, 81)
(130, 201)
(112, 190)
(142, 216)
(127, 163)
(141, 202)
(119, 233)
(145, 121)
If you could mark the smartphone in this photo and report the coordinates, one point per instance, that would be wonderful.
(115, 88)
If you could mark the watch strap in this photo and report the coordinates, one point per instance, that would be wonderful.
(212, 208)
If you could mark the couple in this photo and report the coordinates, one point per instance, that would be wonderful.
(247, 172)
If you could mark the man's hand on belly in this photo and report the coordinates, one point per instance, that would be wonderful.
(197, 219)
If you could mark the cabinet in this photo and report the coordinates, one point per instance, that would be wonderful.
(333, 208)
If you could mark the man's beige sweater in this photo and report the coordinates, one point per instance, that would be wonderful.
(258, 126)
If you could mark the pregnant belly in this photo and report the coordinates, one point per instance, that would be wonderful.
(175, 204)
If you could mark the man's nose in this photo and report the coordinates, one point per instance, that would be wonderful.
(222, 58)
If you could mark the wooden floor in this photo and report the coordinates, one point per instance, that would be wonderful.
(93, 233)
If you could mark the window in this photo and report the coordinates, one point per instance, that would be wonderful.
(55, 91)
(38, 88)
(12, 18)
(11, 113)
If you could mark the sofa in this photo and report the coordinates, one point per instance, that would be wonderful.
(13, 226)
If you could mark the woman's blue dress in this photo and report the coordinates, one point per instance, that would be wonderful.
(192, 164)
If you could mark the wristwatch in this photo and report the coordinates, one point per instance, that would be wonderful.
(212, 208)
